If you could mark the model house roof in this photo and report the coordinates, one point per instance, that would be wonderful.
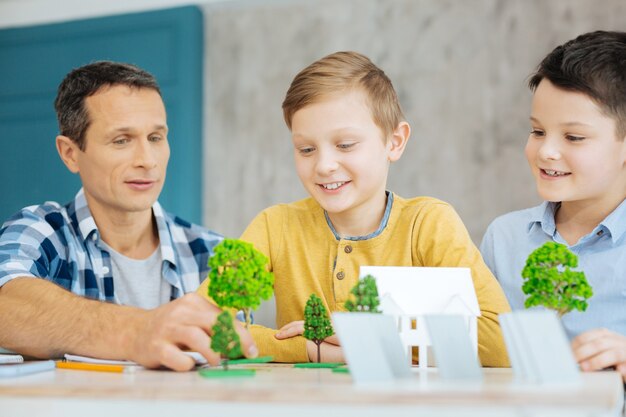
(422, 290)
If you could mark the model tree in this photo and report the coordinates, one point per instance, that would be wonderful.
(317, 326)
(550, 282)
(225, 340)
(365, 296)
(239, 277)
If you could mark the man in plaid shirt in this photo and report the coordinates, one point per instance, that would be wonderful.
(110, 274)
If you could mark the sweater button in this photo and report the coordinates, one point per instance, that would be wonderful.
(340, 275)
(347, 249)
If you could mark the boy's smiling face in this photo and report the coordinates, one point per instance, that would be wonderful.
(342, 157)
(573, 150)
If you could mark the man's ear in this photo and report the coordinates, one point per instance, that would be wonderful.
(68, 151)
(397, 141)
(623, 150)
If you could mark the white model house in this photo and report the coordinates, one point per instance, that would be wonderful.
(410, 293)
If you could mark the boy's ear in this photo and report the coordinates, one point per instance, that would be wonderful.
(68, 151)
(397, 141)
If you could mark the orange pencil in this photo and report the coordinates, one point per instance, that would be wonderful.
(80, 366)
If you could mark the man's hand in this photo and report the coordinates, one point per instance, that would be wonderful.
(296, 328)
(600, 348)
(162, 334)
(43, 320)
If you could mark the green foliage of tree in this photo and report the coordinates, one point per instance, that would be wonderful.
(225, 339)
(365, 296)
(239, 277)
(550, 282)
(317, 325)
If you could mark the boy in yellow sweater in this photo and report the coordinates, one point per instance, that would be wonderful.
(347, 128)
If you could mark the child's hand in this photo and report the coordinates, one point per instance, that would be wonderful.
(328, 352)
(599, 349)
(296, 328)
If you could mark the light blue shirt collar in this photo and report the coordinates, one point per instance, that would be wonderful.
(543, 215)
(615, 222)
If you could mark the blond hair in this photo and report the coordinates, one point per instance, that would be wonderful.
(342, 72)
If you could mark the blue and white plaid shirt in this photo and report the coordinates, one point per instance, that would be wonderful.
(62, 245)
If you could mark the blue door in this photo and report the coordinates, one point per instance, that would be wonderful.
(34, 60)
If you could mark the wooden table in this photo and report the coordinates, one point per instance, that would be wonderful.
(284, 391)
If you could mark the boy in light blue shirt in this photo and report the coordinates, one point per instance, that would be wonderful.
(577, 153)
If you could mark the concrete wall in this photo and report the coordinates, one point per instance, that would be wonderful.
(460, 69)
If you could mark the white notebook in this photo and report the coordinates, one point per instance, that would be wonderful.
(200, 360)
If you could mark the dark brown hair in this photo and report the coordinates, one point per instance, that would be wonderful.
(594, 64)
(87, 80)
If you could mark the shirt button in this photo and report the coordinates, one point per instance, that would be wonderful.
(347, 249)
(105, 270)
(340, 275)
(600, 233)
(94, 237)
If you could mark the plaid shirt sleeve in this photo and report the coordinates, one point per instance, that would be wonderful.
(186, 248)
(29, 242)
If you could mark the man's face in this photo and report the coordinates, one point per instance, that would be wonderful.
(124, 163)
(573, 150)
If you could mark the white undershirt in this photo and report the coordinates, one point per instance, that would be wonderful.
(139, 282)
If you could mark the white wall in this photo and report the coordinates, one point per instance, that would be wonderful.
(15, 13)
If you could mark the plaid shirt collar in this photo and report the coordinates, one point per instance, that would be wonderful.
(83, 221)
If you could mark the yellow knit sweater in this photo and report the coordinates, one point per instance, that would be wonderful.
(306, 258)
